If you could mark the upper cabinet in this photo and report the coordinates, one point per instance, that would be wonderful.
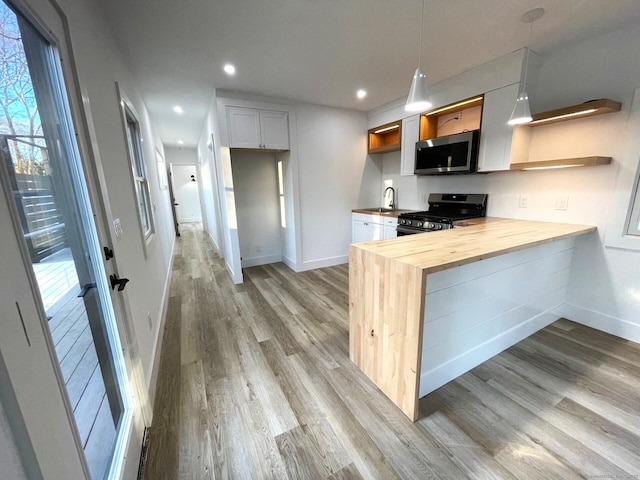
(410, 133)
(260, 129)
(385, 138)
(496, 134)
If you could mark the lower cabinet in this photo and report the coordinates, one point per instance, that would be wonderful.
(365, 228)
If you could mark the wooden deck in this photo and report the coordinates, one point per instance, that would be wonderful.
(85, 386)
(56, 276)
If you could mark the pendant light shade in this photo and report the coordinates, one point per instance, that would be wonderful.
(521, 111)
(418, 98)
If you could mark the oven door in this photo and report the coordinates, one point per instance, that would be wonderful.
(403, 230)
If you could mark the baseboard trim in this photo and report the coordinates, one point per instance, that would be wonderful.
(256, 261)
(290, 263)
(324, 262)
(600, 321)
(157, 347)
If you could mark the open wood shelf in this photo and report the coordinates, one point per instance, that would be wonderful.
(562, 163)
(429, 120)
(574, 112)
(385, 138)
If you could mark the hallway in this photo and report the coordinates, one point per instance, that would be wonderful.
(255, 382)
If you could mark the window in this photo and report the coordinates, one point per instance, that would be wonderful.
(139, 171)
(634, 220)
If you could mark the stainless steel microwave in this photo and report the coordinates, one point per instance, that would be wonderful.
(448, 155)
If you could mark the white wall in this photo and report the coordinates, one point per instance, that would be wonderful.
(604, 290)
(335, 175)
(255, 177)
(10, 461)
(206, 152)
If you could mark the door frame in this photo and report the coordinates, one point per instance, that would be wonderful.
(51, 22)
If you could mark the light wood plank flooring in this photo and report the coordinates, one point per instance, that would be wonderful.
(255, 382)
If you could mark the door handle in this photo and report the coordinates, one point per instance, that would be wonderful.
(118, 282)
(85, 289)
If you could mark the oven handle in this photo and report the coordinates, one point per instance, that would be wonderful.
(402, 230)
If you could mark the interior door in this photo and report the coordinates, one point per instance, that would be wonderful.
(68, 292)
(185, 189)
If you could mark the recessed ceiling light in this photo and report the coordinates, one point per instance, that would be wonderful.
(229, 69)
(361, 93)
(178, 109)
(180, 142)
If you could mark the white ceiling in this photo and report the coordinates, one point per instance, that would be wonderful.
(322, 51)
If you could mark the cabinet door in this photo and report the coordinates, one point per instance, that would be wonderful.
(495, 136)
(375, 231)
(389, 231)
(244, 127)
(274, 128)
(410, 134)
(359, 231)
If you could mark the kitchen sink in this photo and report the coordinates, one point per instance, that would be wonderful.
(380, 210)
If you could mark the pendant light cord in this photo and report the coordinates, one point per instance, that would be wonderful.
(421, 30)
(526, 62)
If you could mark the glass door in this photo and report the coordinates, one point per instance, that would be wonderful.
(44, 180)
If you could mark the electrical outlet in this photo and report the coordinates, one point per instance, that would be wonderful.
(150, 320)
(562, 202)
(523, 201)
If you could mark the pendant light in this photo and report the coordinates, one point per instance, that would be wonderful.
(521, 111)
(418, 98)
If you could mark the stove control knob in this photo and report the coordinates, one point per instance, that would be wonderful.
(401, 222)
(439, 227)
(432, 225)
(420, 224)
(409, 222)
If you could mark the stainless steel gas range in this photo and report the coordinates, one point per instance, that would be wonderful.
(444, 209)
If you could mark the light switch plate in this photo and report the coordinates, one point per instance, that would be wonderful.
(118, 228)
(562, 202)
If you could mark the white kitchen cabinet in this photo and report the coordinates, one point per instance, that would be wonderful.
(365, 228)
(389, 231)
(496, 135)
(410, 135)
(252, 128)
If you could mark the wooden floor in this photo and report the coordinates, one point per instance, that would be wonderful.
(255, 382)
(76, 353)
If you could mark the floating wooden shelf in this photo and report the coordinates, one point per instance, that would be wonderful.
(562, 163)
(574, 112)
(385, 138)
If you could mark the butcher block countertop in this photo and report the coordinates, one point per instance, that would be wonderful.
(387, 292)
(475, 240)
(387, 213)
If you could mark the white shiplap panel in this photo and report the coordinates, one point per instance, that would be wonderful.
(432, 379)
(447, 278)
(512, 282)
(478, 310)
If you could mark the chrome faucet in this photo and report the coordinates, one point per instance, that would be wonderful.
(392, 205)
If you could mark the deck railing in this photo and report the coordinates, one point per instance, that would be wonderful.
(40, 216)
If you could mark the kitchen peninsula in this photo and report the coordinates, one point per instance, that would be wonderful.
(425, 308)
